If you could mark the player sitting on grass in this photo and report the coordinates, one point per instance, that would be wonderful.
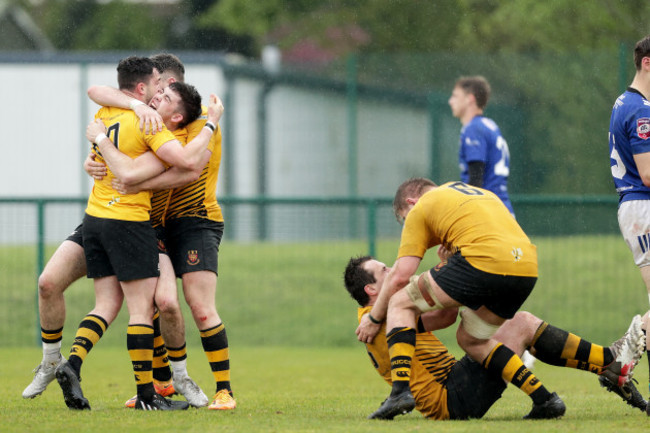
(447, 388)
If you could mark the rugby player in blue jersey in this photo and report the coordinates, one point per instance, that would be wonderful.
(629, 156)
(483, 157)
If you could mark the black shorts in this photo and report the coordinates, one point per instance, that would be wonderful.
(160, 236)
(193, 244)
(501, 294)
(471, 389)
(77, 236)
(126, 249)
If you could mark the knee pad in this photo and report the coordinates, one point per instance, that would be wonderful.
(423, 298)
(475, 326)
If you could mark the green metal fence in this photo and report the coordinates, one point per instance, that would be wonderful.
(281, 263)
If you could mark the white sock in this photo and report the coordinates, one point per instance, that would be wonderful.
(179, 368)
(51, 352)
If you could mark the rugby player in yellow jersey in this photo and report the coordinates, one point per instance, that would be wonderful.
(446, 388)
(189, 219)
(491, 269)
(119, 242)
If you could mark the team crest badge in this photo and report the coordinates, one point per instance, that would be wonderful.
(643, 128)
(192, 257)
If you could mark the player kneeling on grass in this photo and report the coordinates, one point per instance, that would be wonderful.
(446, 388)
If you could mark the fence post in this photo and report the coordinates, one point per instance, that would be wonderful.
(40, 258)
(372, 227)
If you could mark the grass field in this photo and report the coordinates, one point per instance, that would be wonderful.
(293, 390)
(296, 365)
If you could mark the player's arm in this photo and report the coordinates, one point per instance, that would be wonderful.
(130, 171)
(397, 278)
(191, 156)
(642, 161)
(108, 96)
(476, 171)
(173, 178)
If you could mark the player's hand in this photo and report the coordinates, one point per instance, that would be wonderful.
(215, 109)
(367, 330)
(95, 128)
(444, 253)
(123, 188)
(150, 120)
(96, 170)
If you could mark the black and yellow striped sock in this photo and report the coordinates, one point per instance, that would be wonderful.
(504, 362)
(161, 369)
(558, 347)
(215, 345)
(401, 347)
(177, 354)
(90, 330)
(139, 342)
(51, 336)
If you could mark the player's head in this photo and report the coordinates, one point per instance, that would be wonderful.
(363, 273)
(408, 194)
(476, 86)
(139, 76)
(641, 50)
(179, 104)
(170, 67)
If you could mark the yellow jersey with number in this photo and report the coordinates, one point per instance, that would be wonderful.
(430, 367)
(474, 222)
(123, 128)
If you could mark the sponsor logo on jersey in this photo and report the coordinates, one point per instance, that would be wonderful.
(193, 257)
(516, 253)
(643, 128)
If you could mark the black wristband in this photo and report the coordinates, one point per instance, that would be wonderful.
(210, 125)
(373, 320)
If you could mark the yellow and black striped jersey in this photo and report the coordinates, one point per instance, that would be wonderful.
(123, 128)
(160, 199)
(473, 221)
(430, 367)
(199, 198)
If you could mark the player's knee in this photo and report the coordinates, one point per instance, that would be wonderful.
(47, 286)
(168, 305)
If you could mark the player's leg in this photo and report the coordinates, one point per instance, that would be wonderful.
(634, 223)
(419, 295)
(200, 292)
(173, 330)
(194, 250)
(108, 301)
(139, 296)
(66, 265)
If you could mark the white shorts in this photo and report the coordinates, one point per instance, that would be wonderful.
(634, 221)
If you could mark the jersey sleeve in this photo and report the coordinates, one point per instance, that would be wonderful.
(415, 236)
(639, 130)
(474, 144)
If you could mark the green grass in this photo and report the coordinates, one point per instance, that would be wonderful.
(296, 364)
(291, 390)
(292, 294)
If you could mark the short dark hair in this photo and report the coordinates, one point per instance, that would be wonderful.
(477, 86)
(167, 63)
(356, 278)
(190, 106)
(641, 50)
(133, 70)
(411, 188)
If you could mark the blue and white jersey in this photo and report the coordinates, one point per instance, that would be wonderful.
(481, 141)
(629, 134)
